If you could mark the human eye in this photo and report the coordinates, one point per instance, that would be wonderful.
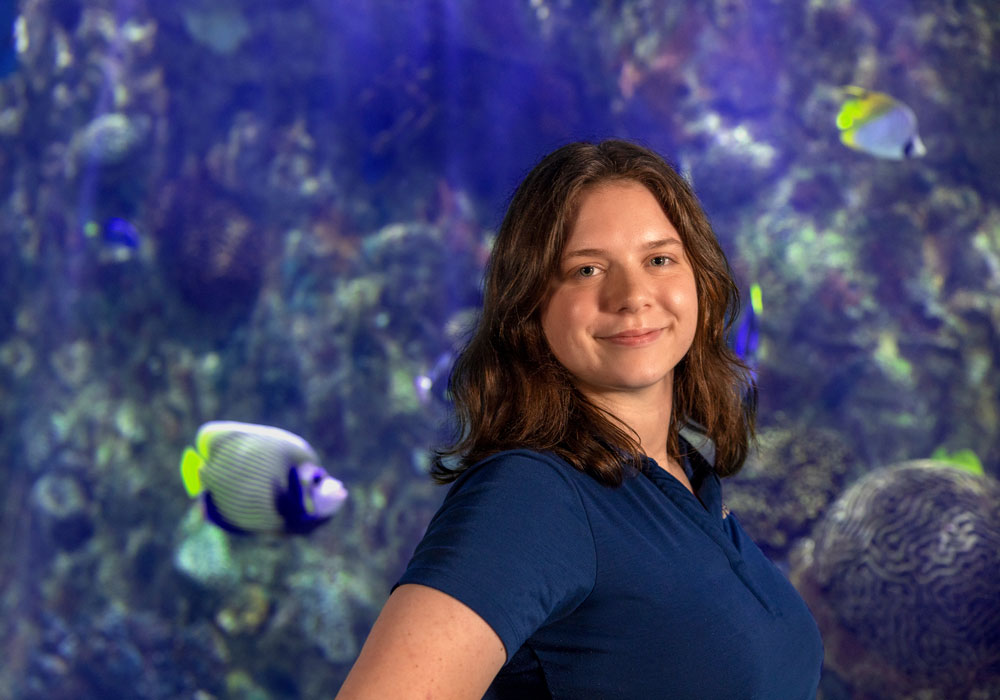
(660, 260)
(586, 271)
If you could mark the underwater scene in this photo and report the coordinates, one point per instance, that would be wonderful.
(239, 234)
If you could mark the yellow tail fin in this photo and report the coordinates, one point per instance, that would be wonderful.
(191, 464)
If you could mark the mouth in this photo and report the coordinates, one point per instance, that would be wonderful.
(633, 337)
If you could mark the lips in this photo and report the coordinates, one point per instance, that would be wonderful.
(634, 336)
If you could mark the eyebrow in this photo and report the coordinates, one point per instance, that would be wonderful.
(597, 252)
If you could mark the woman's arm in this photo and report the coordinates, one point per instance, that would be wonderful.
(425, 644)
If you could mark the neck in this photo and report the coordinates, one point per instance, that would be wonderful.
(647, 414)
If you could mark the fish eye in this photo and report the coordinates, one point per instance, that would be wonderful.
(317, 477)
(908, 148)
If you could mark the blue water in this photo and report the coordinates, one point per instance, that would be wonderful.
(309, 191)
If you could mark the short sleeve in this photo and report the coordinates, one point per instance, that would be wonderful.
(513, 542)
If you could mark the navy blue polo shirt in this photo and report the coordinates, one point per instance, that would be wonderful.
(640, 591)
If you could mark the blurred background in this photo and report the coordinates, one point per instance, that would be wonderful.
(278, 212)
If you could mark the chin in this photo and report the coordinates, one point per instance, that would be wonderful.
(634, 383)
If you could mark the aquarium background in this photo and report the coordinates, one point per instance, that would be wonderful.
(279, 212)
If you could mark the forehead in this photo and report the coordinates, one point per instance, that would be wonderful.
(618, 208)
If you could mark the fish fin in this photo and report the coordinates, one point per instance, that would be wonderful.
(756, 299)
(191, 465)
(849, 139)
(215, 516)
(846, 117)
(853, 108)
(861, 105)
(855, 91)
(211, 431)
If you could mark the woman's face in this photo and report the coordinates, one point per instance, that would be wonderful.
(623, 308)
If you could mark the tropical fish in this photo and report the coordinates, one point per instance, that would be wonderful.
(434, 382)
(258, 478)
(878, 124)
(966, 460)
(118, 231)
(747, 337)
(115, 232)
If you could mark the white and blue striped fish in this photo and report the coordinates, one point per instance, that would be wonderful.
(258, 478)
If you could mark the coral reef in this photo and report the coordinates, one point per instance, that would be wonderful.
(788, 483)
(212, 251)
(121, 653)
(63, 511)
(901, 574)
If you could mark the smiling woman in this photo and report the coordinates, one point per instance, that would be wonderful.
(510, 387)
(623, 308)
(583, 549)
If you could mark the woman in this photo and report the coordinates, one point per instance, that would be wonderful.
(583, 550)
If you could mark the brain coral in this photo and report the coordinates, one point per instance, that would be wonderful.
(907, 565)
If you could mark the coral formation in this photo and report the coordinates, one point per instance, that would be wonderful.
(788, 483)
(902, 575)
(63, 509)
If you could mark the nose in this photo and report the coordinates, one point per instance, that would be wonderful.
(627, 290)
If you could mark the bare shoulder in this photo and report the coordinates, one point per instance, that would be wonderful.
(425, 643)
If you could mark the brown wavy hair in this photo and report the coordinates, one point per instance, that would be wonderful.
(508, 389)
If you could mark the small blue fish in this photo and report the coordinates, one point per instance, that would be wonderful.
(747, 337)
(878, 124)
(258, 478)
(116, 232)
(120, 232)
(434, 382)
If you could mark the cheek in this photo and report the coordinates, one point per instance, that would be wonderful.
(553, 321)
(691, 302)
(699, 317)
(559, 321)
(684, 300)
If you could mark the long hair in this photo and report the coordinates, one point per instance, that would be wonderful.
(508, 389)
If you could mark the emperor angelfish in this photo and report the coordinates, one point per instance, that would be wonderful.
(878, 124)
(258, 478)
